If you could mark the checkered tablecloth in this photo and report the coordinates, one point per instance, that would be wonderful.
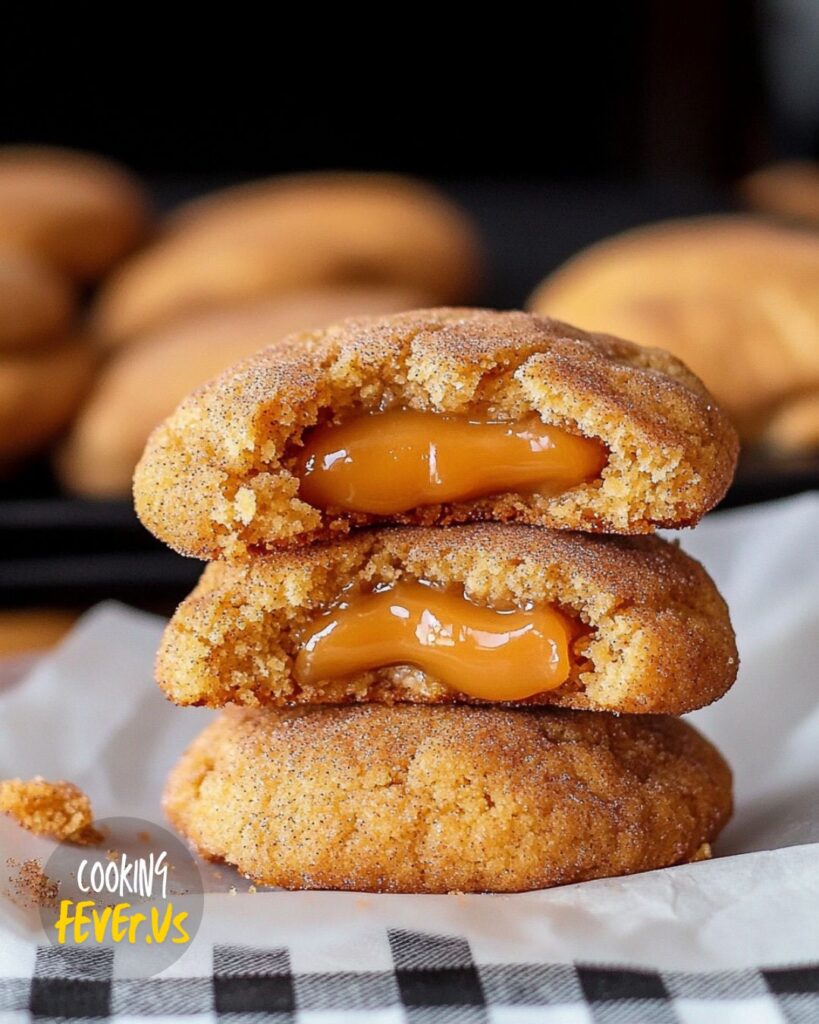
(432, 978)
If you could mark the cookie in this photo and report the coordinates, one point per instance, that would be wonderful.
(483, 612)
(76, 212)
(36, 305)
(445, 416)
(789, 189)
(143, 382)
(279, 235)
(734, 297)
(426, 799)
(40, 391)
(33, 629)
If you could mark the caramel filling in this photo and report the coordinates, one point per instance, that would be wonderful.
(487, 653)
(384, 463)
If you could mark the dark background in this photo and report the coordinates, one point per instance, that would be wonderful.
(625, 89)
(553, 126)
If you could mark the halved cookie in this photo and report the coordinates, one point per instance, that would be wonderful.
(475, 613)
(420, 799)
(435, 417)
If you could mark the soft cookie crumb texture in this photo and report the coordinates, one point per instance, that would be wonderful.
(217, 478)
(658, 635)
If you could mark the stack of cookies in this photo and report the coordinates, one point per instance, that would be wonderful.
(452, 649)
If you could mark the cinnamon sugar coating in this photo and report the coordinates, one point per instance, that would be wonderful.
(439, 799)
(215, 480)
(143, 382)
(661, 640)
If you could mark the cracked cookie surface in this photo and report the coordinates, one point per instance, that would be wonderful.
(217, 478)
(421, 799)
(660, 638)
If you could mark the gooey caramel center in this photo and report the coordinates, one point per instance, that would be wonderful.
(384, 463)
(487, 653)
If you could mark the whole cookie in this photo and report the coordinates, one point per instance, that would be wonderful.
(282, 234)
(420, 799)
(221, 477)
(36, 305)
(144, 381)
(77, 212)
(40, 391)
(734, 297)
(652, 632)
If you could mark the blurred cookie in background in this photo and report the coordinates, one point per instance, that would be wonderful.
(77, 212)
(789, 189)
(40, 390)
(794, 428)
(143, 383)
(736, 298)
(25, 630)
(278, 235)
(36, 304)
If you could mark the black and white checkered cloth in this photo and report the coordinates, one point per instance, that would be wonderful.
(432, 979)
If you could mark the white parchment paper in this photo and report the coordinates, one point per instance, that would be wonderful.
(90, 713)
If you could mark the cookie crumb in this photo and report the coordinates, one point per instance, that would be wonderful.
(59, 810)
(703, 853)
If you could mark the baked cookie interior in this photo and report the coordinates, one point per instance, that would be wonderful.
(435, 417)
(491, 612)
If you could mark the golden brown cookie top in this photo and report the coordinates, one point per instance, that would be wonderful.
(377, 734)
(215, 479)
(497, 560)
(659, 635)
(418, 799)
